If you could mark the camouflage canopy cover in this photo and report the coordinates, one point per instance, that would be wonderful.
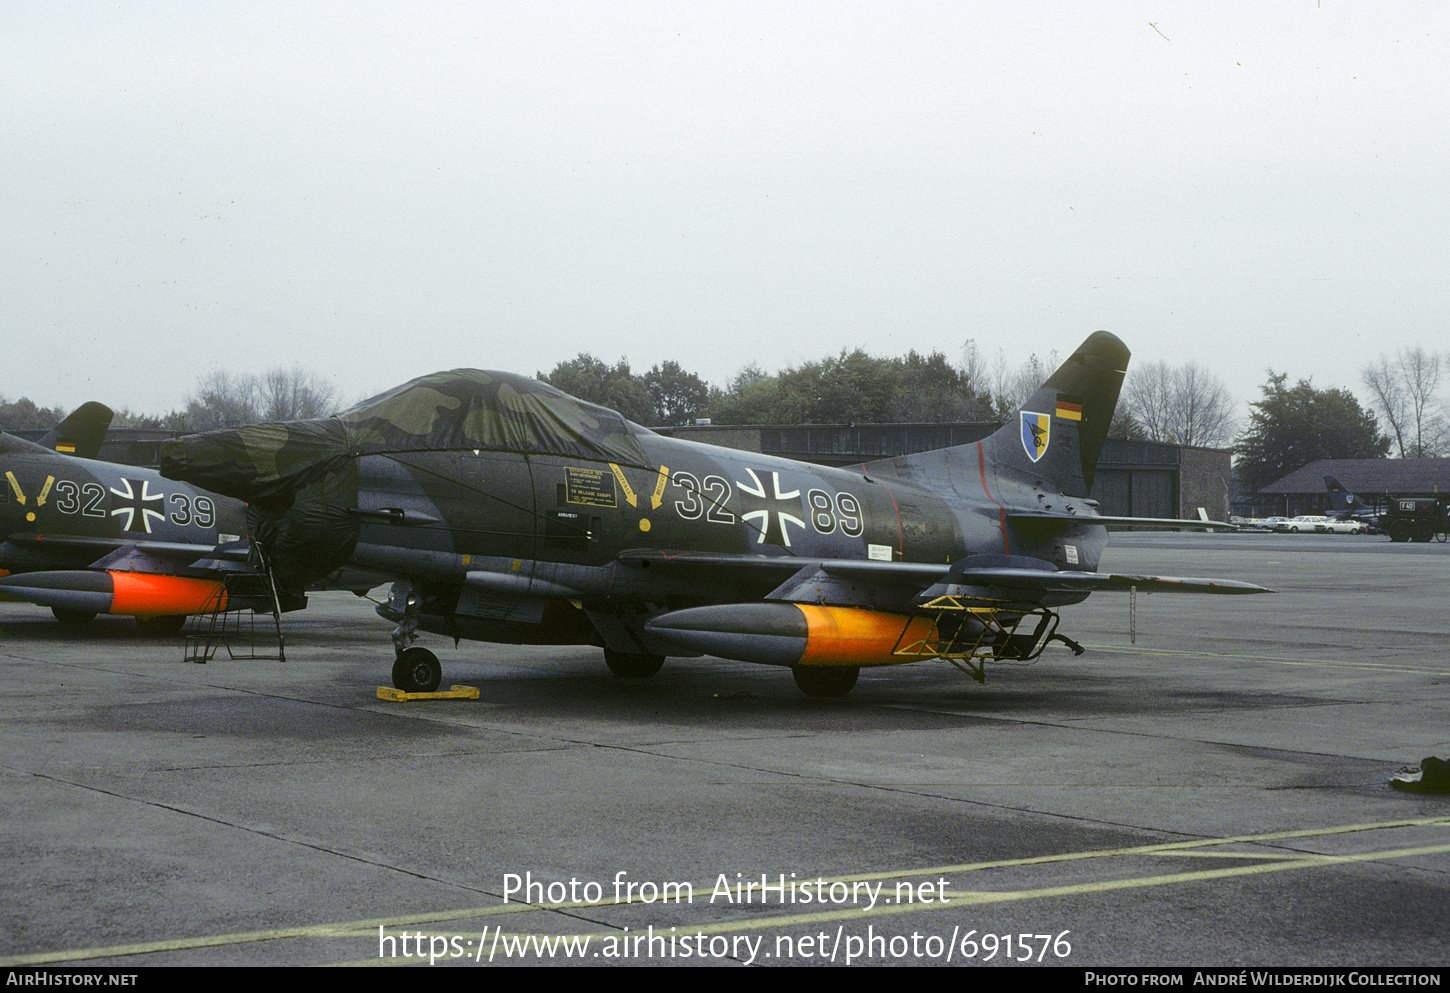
(460, 409)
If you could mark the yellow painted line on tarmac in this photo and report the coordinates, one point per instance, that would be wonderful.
(1295, 860)
(1165, 847)
(1276, 659)
(1268, 856)
(969, 898)
(345, 929)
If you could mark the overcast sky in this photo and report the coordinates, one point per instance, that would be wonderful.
(375, 191)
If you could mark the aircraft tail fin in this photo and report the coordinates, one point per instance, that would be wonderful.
(1058, 434)
(81, 433)
(1341, 501)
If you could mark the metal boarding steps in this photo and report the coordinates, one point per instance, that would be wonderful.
(221, 623)
(968, 634)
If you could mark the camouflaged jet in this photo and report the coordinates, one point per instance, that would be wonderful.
(504, 510)
(85, 537)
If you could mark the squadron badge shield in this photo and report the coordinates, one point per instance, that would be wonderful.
(1034, 433)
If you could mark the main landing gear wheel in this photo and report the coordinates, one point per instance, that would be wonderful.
(161, 624)
(626, 665)
(73, 618)
(417, 671)
(826, 680)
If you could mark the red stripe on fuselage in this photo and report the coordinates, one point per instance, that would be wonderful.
(1001, 510)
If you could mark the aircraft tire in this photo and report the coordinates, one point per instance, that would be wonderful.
(825, 681)
(73, 618)
(1424, 531)
(161, 624)
(417, 670)
(627, 665)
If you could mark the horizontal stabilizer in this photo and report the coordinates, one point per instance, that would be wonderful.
(1038, 580)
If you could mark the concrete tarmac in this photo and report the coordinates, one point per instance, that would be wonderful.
(1207, 786)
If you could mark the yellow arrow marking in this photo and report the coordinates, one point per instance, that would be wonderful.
(624, 485)
(15, 485)
(45, 490)
(659, 494)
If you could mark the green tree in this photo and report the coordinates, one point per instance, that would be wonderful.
(1292, 426)
(174, 420)
(930, 390)
(615, 387)
(1123, 426)
(678, 396)
(846, 388)
(23, 415)
(853, 387)
(754, 397)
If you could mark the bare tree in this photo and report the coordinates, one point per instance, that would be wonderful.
(1148, 399)
(1184, 405)
(975, 374)
(224, 400)
(1205, 408)
(1404, 391)
(292, 395)
(1011, 387)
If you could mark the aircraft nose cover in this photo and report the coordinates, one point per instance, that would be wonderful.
(259, 462)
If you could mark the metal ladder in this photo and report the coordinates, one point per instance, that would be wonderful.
(221, 624)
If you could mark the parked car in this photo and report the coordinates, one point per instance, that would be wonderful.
(1335, 526)
(1304, 522)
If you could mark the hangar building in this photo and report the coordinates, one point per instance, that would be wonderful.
(1303, 490)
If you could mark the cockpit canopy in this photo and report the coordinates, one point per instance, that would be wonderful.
(460, 409)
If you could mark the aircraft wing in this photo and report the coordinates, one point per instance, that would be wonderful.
(1091, 582)
(851, 612)
(145, 578)
(692, 564)
(175, 553)
(1149, 523)
(798, 576)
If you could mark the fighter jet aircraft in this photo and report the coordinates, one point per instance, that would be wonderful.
(85, 537)
(1344, 505)
(507, 511)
